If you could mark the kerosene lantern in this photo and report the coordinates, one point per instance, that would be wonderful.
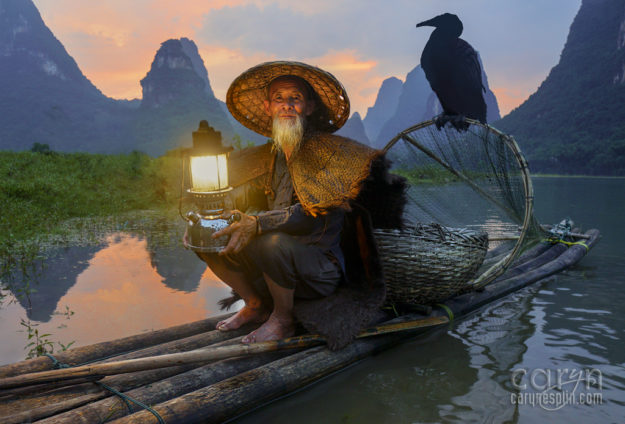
(205, 180)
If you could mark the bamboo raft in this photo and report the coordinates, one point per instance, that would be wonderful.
(194, 373)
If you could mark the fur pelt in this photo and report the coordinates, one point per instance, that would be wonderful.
(384, 195)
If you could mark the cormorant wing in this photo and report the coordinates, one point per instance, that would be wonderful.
(467, 83)
(467, 56)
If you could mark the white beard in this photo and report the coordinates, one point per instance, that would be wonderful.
(287, 133)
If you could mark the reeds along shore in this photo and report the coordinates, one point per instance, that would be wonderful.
(221, 390)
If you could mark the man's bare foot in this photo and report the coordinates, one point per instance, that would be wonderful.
(243, 316)
(275, 328)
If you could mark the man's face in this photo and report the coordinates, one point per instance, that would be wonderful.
(288, 99)
(288, 105)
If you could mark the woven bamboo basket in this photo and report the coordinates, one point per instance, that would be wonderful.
(429, 263)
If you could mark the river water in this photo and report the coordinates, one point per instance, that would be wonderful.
(497, 365)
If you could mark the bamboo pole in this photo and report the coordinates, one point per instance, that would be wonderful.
(83, 354)
(532, 252)
(92, 409)
(195, 356)
(122, 382)
(571, 255)
(244, 392)
(45, 387)
(186, 344)
(548, 255)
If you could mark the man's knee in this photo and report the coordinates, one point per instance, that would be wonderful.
(206, 257)
(267, 247)
(218, 263)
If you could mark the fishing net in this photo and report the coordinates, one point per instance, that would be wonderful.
(475, 179)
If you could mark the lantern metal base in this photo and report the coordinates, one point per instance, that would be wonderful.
(201, 229)
(209, 201)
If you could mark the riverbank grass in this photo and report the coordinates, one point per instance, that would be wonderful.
(41, 191)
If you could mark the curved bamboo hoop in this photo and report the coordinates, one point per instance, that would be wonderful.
(499, 267)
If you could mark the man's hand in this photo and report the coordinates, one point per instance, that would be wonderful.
(241, 232)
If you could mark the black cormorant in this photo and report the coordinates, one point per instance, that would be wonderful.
(453, 71)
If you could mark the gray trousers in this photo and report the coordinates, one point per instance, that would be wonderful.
(306, 268)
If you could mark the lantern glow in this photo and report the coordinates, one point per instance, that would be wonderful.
(209, 173)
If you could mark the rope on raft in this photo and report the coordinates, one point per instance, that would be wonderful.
(568, 243)
(59, 365)
(563, 229)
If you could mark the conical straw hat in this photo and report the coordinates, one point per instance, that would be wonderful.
(248, 92)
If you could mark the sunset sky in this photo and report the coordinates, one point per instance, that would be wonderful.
(362, 42)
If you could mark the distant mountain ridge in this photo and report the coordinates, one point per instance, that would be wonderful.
(575, 121)
(175, 99)
(45, 98)
(414, 102)
(354, 129)
(384, 107)
(410, 106)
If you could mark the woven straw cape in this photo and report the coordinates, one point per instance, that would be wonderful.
(248, 92)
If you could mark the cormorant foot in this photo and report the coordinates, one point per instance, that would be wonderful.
(441, 120)
(458, 122)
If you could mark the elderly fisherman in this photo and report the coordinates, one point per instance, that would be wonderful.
(310, 254)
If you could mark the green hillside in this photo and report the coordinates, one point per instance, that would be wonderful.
(575, 122)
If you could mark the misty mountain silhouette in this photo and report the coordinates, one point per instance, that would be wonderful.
(45, 98)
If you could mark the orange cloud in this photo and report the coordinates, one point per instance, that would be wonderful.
(224, 65)
(360, 77)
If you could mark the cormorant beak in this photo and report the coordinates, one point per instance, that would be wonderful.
(429, 22)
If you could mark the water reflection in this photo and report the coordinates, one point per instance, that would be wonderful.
(122, 288)
(497, 337)
(180, 269)
(47, 281)
(581, 328)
